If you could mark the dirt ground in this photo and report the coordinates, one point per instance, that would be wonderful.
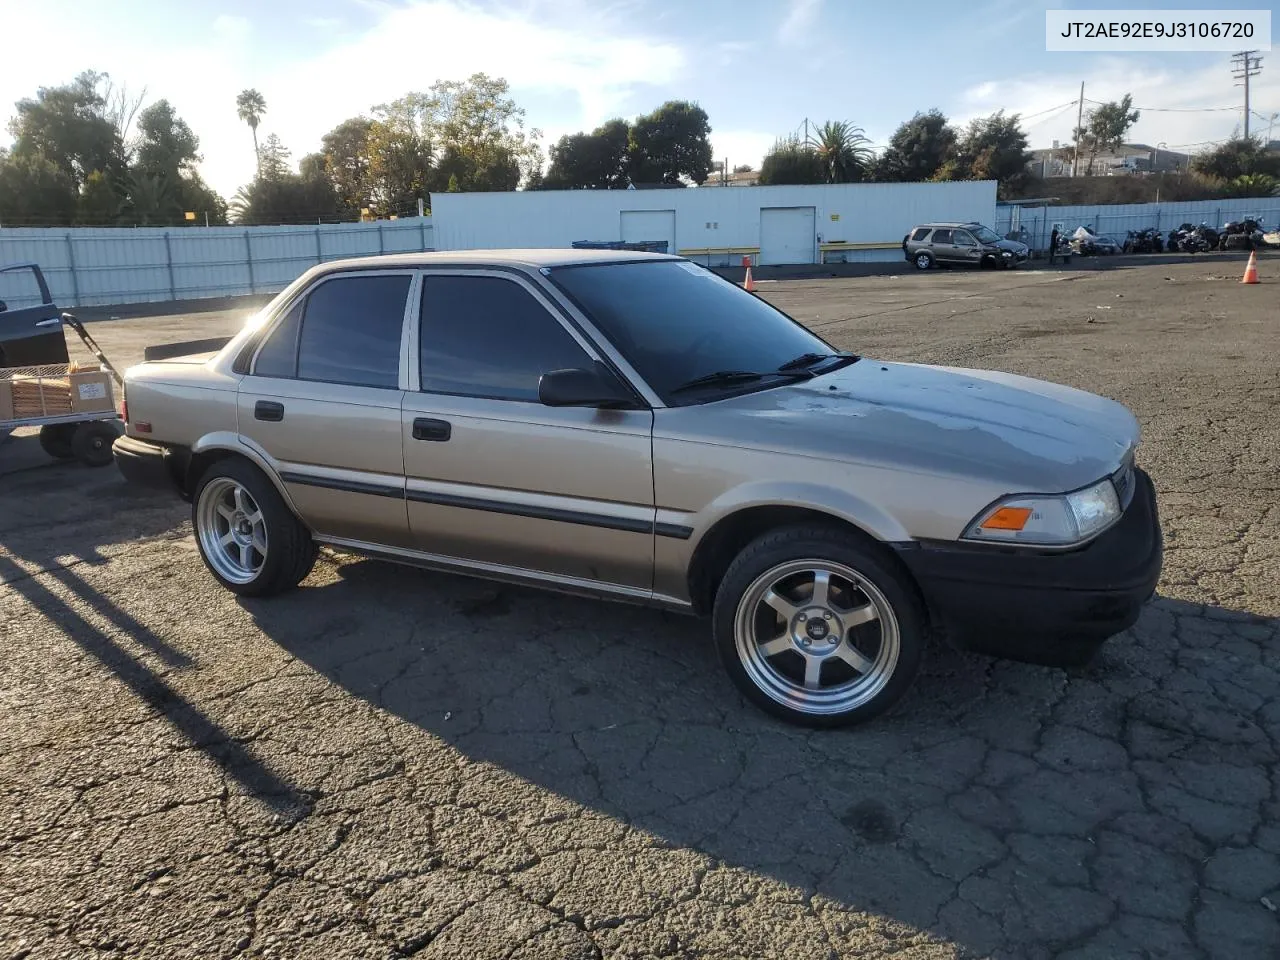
(389, 762)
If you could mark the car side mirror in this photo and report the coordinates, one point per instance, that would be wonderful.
(594, 386)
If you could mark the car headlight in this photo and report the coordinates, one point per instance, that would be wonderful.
(1051, 520)
(1006, 253)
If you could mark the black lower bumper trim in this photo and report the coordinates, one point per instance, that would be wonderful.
(144, 464)
(1025, 605)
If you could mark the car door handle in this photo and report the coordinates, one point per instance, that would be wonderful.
(425, 428)
(268, 410)
(55, 322)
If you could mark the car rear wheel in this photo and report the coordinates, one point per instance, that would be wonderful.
(923, 260)
(248, 537)
(817, 628)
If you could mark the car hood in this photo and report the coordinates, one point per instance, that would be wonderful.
(1013, 246)
(1022, 434)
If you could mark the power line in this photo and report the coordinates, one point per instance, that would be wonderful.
(1171, 109)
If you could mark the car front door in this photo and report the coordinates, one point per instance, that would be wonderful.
(940, 243)
(323, 402)
(496, 479)
(966, 247)
(30, 323)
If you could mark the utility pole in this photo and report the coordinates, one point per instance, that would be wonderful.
(1244, 65)
(1075, 163)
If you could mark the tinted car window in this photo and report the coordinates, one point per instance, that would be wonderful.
(489, 337)
(963, 239)
(351, 331)
(675, 321)
(279, 355)
(942, 236)
(920, 234)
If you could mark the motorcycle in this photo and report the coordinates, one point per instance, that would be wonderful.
(1243, 234)
(1144, 241)
(1192, 239)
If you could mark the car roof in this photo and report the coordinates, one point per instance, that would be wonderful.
(951, 223)
(554, 257)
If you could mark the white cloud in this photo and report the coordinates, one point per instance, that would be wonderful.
(231, 29)
(801, 16)
(741, 146)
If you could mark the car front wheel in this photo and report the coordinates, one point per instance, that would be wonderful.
(248, 537)
(923, 261)
(817, 628)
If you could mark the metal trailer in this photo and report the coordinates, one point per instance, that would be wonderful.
(35, 367)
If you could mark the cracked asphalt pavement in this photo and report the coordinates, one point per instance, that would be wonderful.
(391, 763)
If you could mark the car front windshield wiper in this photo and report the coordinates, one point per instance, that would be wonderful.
(809, 359)
(728, 377)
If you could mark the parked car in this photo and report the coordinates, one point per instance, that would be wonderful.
(632, 426)
(971, 243)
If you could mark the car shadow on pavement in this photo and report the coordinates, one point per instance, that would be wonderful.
(33, 552)
(626, 711)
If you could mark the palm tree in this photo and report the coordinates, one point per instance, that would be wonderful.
(844, 151)
(250, 106)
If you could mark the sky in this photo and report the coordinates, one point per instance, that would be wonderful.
(759, 68)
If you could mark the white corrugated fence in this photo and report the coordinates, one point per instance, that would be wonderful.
(88, 266)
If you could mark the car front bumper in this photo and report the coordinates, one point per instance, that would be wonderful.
(144, 464)
(1029, 606)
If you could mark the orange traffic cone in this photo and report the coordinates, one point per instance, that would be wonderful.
(1251, 271)
(750, 284)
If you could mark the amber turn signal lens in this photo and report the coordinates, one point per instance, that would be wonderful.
(1008, 518)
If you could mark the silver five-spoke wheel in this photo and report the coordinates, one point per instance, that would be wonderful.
(232, 530)
(817, 636)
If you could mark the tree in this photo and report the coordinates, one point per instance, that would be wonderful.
(744, 168)
(399, 153)
(918, 148)
(344, 152)
(843, 151)
(1252, 185)
(251, 106)
(479, 132)
(67, 126)
(991, 148)
(790, 161)
(671, 145)
(166, 143)
(1107, 127)
(35, 190)
(99, 203)
(591, 160)
(1237, 157)
(273, 159)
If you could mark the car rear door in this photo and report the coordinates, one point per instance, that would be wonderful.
(940, 243)
(30, 323)
(323, 402)
(496, 479)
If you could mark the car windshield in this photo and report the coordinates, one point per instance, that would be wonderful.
(676, 322)
(984, 234)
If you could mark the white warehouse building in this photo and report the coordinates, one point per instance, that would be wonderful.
(772, 225)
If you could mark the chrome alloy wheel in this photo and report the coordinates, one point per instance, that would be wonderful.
(232, 530)
(817, 636)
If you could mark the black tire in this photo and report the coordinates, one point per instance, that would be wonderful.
(786, 547)
(91, 442)
(55, 440)
(923, 260)
(291, 552)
